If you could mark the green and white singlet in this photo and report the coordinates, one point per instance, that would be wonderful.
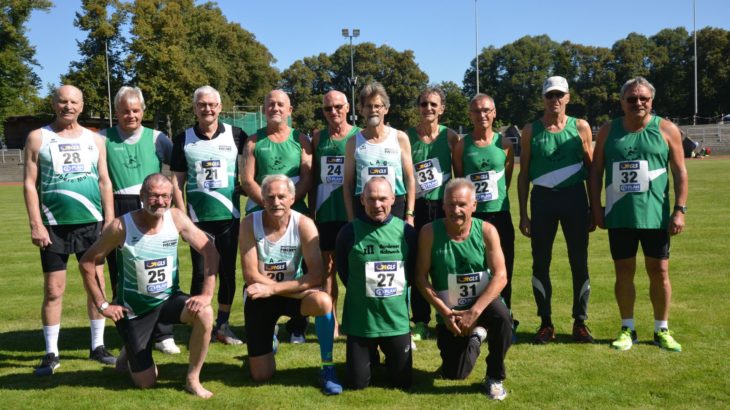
(211, 176)
(376, 301)
(281, 260)
(148, 266)
(459, 270)
(277, 158)
(379, 160)
(637, 180)
(431, 163)
(485, 166)
(556, 158)
(69, 179)
(330, 155)
(129, 164)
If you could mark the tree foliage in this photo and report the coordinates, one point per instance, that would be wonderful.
(456, 113)
(18, 83)
(104, 39)
(307, 81)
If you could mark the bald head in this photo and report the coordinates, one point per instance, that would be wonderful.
(68, 91)
(335, 108)
(276, 95)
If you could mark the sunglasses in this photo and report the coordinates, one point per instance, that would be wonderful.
(337, 107)
(554, 94)
(425, 104)
(633, 100)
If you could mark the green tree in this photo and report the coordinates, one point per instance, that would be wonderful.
(102, 19)
(18, 83)
(713, 49)
(456, 113)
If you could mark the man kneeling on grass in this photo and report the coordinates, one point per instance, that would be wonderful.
(148, 290)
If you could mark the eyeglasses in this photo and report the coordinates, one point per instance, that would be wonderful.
(633, 100)
(374, 107)
(554, 94)
(482, 111)
(203, 105)
(425, 104)
(337, 107)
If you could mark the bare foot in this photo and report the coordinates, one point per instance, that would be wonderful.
(198, 390)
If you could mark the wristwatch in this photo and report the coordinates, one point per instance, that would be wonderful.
(680, 208)
(410, 213)
(103, 307)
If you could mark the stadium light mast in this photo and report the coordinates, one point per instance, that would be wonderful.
(352, 80)
(694, 32)
(476, 41)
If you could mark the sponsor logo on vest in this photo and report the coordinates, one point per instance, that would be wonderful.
(211, 163)
(378, 171)
(335, 160)
(169, 242)
(423, 165)
(383, 292)
(226, 148)
(386, 266)
(155, 263)
(484, 176)
(288, 249)
(627, 166)
(275, 267)
(468, 278)
(389, 151)
(69, 147)
(465, 301)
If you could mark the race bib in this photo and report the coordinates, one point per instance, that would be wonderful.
(384, 279)
(631, 176)
(70, 158)
(211, 174)
(278, 271)
(378, 171)
(332, 170)
(486, 185)
(154, 275)
(465, 288)
(428, 175)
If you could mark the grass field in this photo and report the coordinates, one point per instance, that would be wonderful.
(559, 375)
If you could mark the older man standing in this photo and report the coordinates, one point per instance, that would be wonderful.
(205, 163)
(133, 152)
(555, 158)
(67, 196)
(382, 151)
(465, 263)
(431, 148)
(150, 293)
(326, 200)
(376, 256)
(279, 149)
(274, 243)
(636, 152)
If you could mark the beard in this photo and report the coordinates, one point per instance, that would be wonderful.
(373, 121)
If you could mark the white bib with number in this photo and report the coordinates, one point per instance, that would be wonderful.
(428, 175)
(70, 157)
(154, 275)
(212, 174)
(384, 279)
(278, 271)
(631, 176)
(332, 170)
(465, 288)
(386, 172)
(486, 185)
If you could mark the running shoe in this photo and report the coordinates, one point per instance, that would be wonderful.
(665, 340)
(297, 338)
(626, 338)
(581, 334)
(420, 331)
(167, 346)
(49, 363)
(328, 381)
(495, 389)
(101, 355)
(225, 335)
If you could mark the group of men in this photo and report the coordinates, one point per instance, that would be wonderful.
(388, 210)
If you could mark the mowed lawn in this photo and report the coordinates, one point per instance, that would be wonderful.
(559, 375)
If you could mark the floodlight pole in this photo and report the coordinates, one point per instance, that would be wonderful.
(108, 83)
(476, 41)
(694, 30)
(352, 80)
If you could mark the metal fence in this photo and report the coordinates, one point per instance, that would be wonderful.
(713, 136)
(11, 156)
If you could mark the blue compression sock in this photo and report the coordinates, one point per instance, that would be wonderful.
(325, 327)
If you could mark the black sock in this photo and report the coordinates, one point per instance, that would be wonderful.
(222, 318)
(546, 321)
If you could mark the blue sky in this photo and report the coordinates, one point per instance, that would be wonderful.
(440, 32)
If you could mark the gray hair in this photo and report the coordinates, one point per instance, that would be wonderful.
(481, 96)
(432, 90)
(57, 92)
(268, 95)
(377, 179)
(371, 90)
(153, 179)
(206, 90)
(128, 93)
(458, 183)
(635, 82)
(270, 179)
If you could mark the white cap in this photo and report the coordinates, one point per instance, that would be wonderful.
(555, 83)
